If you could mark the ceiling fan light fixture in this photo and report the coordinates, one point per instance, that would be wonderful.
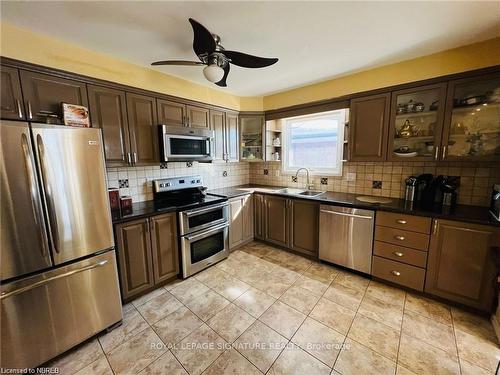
(213, 73)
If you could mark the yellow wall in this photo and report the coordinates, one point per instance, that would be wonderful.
(28, 46)
(39, 49)
(473, 56)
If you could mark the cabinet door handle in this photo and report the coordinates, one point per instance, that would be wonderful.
(434, 231)
(30, 111)
(135, 158)
(399, 221)
(399, 238)
(129, 158)
(398, 254)
(19, 109)
(396, 273)
(436, 153)
(444, 152)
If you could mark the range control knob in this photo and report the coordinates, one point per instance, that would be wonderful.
(198, 181)
(162, 185)
(168, 184)
(193, 181)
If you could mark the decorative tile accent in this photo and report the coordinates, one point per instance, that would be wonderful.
(294, 178)
(189, 164)
(123, 183)
(163, 165)
(376, 184)
(266, 172)
(324, 181)
(224, 174)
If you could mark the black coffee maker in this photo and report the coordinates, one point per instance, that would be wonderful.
(436, 192)
(448, 186)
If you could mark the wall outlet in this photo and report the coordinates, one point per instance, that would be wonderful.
(276, 173)
(351, 176)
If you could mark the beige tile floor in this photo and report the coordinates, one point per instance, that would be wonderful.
(264, 310)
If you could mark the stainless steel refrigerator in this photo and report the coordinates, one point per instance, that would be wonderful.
(59, 283)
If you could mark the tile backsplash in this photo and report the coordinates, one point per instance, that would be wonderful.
(137, 181)
(387, 178)
(370, 178)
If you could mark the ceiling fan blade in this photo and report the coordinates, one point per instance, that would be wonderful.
(203, 41)
(248, 61)
(222, 82)
(178, 62)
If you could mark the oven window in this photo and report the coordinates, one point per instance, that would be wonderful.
(205, 218)
(206, 247)
(182, 146)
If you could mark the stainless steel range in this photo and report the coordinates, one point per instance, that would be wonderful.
(203, 221)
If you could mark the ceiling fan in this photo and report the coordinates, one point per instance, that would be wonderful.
(217, 59)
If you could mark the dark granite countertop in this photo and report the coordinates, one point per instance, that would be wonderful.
(466, 213)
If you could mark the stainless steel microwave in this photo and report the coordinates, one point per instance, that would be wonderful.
(178, 143)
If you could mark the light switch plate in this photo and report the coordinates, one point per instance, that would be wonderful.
(351, 176)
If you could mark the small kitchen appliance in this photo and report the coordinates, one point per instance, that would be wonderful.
(180, 143)
(203, 221)
(411, 188)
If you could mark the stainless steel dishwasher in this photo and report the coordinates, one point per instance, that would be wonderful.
(346, 237)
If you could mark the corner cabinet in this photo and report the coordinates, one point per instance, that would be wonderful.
(147, 253)
(241, 220)
(460, 265)
(368, 123)
(252, 134)
(11, 97)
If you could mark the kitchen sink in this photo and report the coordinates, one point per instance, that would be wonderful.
(292, 191)
(304, 193)
(311, 193)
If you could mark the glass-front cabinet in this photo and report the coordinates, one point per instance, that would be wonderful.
(252, 134)
(472, 123)
(416, 123)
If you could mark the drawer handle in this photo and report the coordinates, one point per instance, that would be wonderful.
(400, 221)
(400, 238)
(398, 254)
(396, 273)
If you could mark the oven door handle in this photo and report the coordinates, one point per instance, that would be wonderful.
(206, 233)
(197, 211)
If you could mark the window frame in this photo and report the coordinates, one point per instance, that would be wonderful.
(285, 166)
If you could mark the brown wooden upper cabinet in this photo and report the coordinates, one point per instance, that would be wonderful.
(304, 226)
(252, 135)
(147, 253)
(460, 266)
(416, 123)
(472, 119)
(43, 95)
(108, 111)
(171, 113)
(11, 97)
(143, 121)
(225, 127)
(180, 114)
(369, 118)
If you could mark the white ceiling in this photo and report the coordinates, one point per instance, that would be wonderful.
(313, 40)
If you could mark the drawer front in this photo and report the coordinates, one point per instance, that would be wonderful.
(400, 254)
(398, 273)
(407, 222)
(400, 237)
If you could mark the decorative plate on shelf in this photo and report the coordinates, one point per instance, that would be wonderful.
(410, 154)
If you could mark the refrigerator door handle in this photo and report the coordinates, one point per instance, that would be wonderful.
(54, 238)
(36, 204)
(50, 279)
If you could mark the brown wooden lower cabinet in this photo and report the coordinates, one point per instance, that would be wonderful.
(304, 226)
(147, 253)
(460, 266)
(287, 222)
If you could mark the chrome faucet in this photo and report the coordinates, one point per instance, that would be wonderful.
(309, 185)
